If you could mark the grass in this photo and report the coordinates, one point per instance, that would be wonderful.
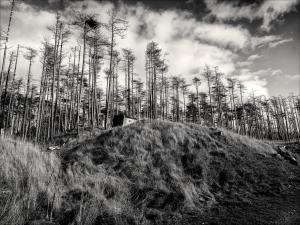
(150, 173)
(28, 180)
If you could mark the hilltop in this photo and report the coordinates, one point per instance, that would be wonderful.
(151, 173)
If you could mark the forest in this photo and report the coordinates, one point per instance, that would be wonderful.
(75, 92)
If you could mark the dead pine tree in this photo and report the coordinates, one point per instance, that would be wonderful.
(153, 66)
(217, 89)
(87, 23)
(3, 99)
(241, 88)
(176, 85)
(197, 83)
(184, 89)
(5, 43)
(12, 91)
(45, 58)
(29, 56)
(54, 71)
(128, 59)
(116, 28)
(208, 75)
(163, 70)
(114, 76)
(97, 43)
(231, 88)
(8, 76)
(63, 36)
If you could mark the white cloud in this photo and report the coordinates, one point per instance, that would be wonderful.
(229, 10)
(244, 63)
(28, 29)
(30, 26)
(268, 11)
(280, 42)
(279, 74)
(191, 44)
(271, 41)
(258, 81)
(255, 81)
(271, 10)
(276, 72)
(293, 77)
(249, 62)
(254, 57)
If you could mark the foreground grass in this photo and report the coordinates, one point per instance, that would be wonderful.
(148, 173)
(28, 180)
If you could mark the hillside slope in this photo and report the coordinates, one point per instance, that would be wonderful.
(172, 173)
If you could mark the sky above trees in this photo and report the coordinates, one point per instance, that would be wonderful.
(255, 41)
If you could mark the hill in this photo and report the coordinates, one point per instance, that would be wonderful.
(152, 173)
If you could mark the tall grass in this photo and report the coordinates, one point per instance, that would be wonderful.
(28, 180)
(144, 173)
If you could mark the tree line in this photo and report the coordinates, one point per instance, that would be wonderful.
(69, 96)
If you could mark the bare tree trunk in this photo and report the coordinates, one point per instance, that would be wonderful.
(109, 78)
(26, 100)
(5, 44)
(81, 80)
(42, 86)
(12, 91)
(59, 46)
(53, 79)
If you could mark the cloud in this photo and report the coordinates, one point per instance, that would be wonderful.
(249, 62)
(260, 80)
(190, 43)
(293, 77)
(280, 42)
(189, 48)
(276, 72)
(271, 41)
(254, 57)
(28, 29)
(269, 11)
(244, 63)
(5, 4)
(255, 80)
(279, 74)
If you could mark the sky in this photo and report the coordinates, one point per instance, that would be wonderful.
(256, 41)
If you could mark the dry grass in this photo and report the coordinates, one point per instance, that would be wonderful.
(162, 170)
(28, 179)
(151, 173)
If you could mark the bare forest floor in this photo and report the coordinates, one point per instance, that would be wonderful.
(150, 173)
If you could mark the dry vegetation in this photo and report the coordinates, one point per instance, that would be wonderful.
(28, 179)
(150, 173)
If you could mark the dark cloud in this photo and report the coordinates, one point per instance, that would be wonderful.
(61, 4)
(197, 7)
(242, 2)
(50, 4)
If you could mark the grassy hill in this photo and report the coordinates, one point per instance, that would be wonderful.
(150, 173)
